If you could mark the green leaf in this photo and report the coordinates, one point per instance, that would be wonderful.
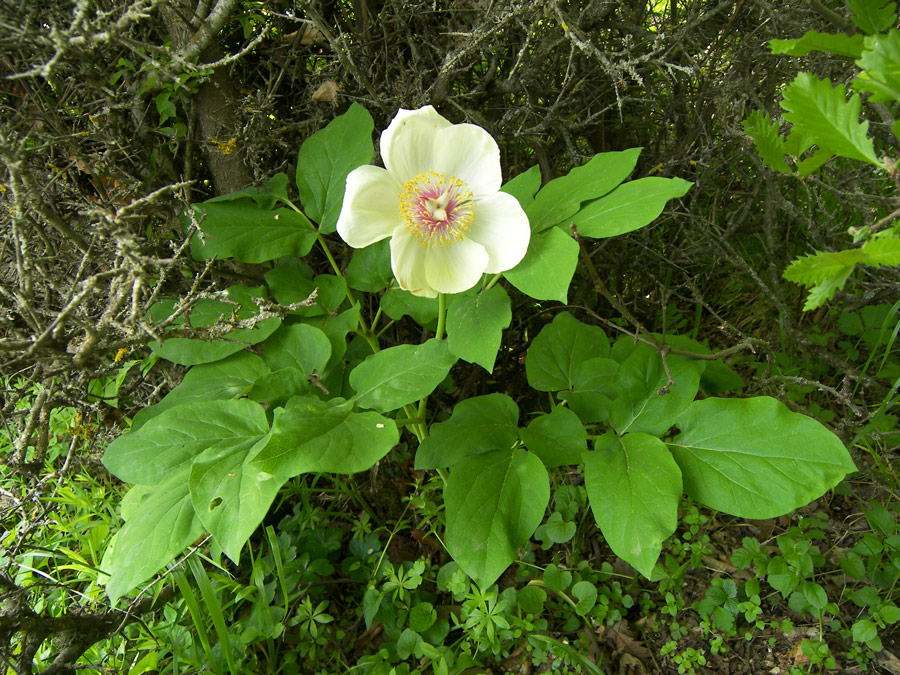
(190, 352)
(548, 266)
(561, 198)
(592, 389)
(275, 388)
(812, 41)
(231, 377)
(558, 439)
(643, 403)
(265, 196)
(242, 230)
(312, 435)
(493, 502)
(475, 325)
(299, 346)
(325, 159)
(478, 424)
(814, 269)
(881, 67)
(397, 303)
(230, 496)
(882, 251)
(873, 16)
(523, 186)
(399, 375)
(177, 436)
(163, 527)
(826, 116)
(629, 207)
(555, 530)
(754, 458)
(557, 351)
(370, 268)
(586, 594)
(634, 487)
(769, 145)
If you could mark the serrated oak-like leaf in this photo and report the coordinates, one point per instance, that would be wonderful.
(399, 375)
(873, 16)
(493, 503)
(548, 266)
(634, 487)
(769, 145)
(821, 266)
(325, 159)
(754, 458)
(559, 199)
(840, 44)
(828, 118)
(475, 325)
(177, 436)
(629, 207)
(312, 435)
(882, 251)
(477, 425)
(881, 67)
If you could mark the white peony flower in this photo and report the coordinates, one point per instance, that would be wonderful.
(438, 200)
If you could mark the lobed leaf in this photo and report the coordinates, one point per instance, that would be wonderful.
(769, 145)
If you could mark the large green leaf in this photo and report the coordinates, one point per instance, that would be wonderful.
(593, 389)
(754, 458)
(882, 250)
(242, 230)
(523, 186)
(560, 199)
(230, 496)
(644, 404)
(161, 526)
(397, 303)
(634, 487)
(873, 16)
(370, 267)
(827, 118)
(191, 352)
(812, 41)
(231, 377)
(558, 438)
(629, 207)
(769, 145)
(300, 346)
(493, 503)
(399, 375)
(548, 266)
(475, 325)
(555, 354)
(177, 436)
(312, 435)
(478, 424)
(325, 159)
(881, 67)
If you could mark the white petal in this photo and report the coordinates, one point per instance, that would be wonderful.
(456, 267)
(471, 154)
(408, 263)
(501, 226)
(371, 208)
(408, 144)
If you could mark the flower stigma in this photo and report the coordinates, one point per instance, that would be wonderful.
(438, 210)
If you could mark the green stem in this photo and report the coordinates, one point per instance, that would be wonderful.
(439, 334)
(492, 282)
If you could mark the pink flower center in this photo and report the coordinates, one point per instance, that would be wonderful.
(437, 209)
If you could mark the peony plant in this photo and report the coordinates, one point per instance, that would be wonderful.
(302, 374)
